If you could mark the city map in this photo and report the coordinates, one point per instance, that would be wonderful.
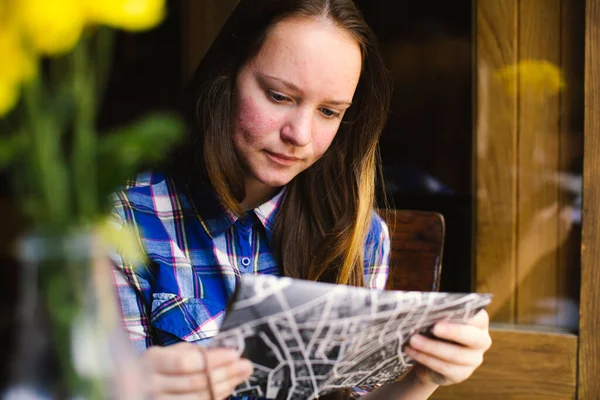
(307, 339)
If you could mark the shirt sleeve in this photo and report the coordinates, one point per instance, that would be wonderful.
(377, 254)
(132, 283)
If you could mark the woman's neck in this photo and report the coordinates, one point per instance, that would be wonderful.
(257, 194)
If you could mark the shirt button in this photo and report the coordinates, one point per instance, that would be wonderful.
(245, 261)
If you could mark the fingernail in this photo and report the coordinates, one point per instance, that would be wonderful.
(416, 340)
(245, 367)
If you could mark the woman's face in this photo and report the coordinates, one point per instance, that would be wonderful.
(290, 99)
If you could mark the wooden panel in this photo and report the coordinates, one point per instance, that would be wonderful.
(202, 20)
(522, 365)
(539, 39)
(589, 345)
(495, 158)
(416, 250)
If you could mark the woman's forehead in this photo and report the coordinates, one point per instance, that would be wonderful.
(311, 53)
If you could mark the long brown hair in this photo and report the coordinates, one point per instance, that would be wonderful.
(330, 204)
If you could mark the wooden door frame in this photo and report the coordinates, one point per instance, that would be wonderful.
(589, 323)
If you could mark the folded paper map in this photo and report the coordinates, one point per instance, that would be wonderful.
(307, 339)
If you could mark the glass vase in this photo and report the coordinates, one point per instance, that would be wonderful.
(69, 342)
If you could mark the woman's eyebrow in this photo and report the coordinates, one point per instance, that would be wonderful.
(339, 103)
(289, 84)
(295, 88)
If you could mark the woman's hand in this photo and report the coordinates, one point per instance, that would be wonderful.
(182, 372)
(444, 363)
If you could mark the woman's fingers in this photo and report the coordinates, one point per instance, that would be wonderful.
(447, 352)
(444, 363)
(225, 379)
(180, 396)
(237, 372)
(439, 371)
(184, 370)
(186, 358)
(224, 387)
(228, 376)
(178, 384)
(474, 334)
(191, 396)
(464, 335)
(480, 320)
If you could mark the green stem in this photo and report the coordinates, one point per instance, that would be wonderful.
(85, 143)
(61, 305)
(47, 168)
(103, 53)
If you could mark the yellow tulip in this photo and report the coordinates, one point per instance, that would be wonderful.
(52, 26)
(133, 15)
(11, 48)
(21, 66)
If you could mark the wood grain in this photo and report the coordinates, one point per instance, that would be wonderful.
(589, 324)
(539, 39)
(495, 156)
(522, 365)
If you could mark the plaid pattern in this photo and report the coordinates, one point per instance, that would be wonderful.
(196, 253)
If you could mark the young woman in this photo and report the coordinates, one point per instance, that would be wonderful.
(287, 108)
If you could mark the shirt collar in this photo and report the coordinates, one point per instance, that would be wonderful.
(216, 218)
(267, 211)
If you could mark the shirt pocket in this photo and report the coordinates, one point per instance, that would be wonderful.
(187, 318)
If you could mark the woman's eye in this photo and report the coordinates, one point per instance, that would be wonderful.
(330, 113)
(278, 98)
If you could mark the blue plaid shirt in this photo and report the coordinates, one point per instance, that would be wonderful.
(197, 251)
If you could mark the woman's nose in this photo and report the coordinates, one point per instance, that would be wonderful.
(297, 130)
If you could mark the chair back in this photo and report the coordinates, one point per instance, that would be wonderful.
(417, 242)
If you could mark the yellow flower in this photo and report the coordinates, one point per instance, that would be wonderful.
(538, 77)
(133, 15)
(52, 26)
(20, 68)
(11, 49)
(123, 239)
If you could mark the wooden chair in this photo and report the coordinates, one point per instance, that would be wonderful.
(417, 242)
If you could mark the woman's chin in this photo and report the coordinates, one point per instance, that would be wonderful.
(275, 181)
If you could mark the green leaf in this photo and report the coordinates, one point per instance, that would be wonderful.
(11, 148)
(123, 151)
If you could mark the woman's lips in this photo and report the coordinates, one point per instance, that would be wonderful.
(282, 159)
